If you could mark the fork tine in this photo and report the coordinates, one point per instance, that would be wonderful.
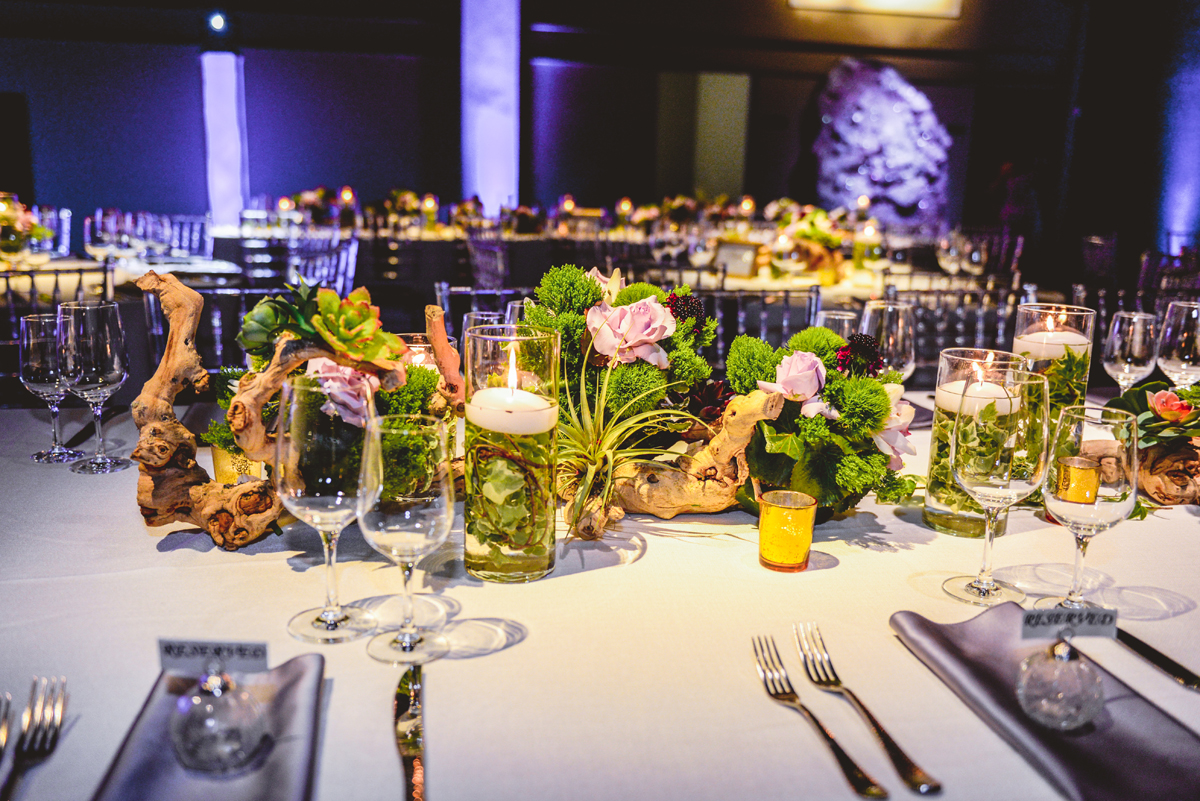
(5, 708)
(819, 644)
(60, 708)
(780, 671)
(800, 633)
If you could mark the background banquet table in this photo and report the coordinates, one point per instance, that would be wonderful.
(627, 673)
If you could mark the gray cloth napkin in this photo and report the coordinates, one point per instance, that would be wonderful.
(146, 767)
(1132, 750)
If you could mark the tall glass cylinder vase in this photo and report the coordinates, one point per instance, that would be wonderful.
(1056, 341)
(948, 508)
(511, 422)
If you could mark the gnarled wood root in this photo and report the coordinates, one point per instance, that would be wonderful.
(707, 480)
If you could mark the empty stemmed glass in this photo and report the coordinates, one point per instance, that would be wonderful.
(405, 510)
(842, 323)
(41, 375)
(92, 349)
(317, 463)
(1091, 483)
(1179, 348)
(1129, 350)
(894, 326)
(998, 457)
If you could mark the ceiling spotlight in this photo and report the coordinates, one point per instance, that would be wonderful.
(217, 21)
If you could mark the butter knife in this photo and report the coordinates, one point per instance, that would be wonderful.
(1160, 660)
(410, 734)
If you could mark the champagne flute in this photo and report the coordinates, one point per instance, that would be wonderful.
(405, 510)
(1129, 350)
(41, 375)
(894, 326)
(474, 318)
(316, 471)
(94, 366)
(998, 457)
(1092, 481)
(1179, 348)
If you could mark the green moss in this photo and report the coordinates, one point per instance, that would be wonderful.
(640, 386)
(863, 403)
(413, 397)
(819, 341)
(639, 291)
(750, 360)
(687, 369)
(568, 289)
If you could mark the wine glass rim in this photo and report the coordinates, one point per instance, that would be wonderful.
(884, 303)
(86, 304)
(1184, 304)
(389, 420)
(1085, 411)
(1134, 315)
(1056, 307)
(510, 332)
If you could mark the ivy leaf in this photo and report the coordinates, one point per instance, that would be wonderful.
(501, 481)
(786, 444)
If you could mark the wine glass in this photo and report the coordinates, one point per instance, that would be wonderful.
(405, 510)
(1179, 348)
(514, 312)
(41, 375)
(93, 363)
(894, 326)
(317, 462)
(1129, 349)
(1091, 484)
(842, 323)
(998, 457)
(474, 318)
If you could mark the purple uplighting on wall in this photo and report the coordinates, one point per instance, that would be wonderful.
(225, 136)
(1179, 196)
(491, 44)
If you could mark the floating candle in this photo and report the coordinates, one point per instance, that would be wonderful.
(511, 411)
(949, 396)
(1050, 345)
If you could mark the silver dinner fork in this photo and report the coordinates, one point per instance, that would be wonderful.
(5, 706)
(775, 680)
(819, 668)
(41, 723)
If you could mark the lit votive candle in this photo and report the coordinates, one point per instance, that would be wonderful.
(785, 530)
(1050, 345)
(511, 411)
(949, 397)
(1078, 479)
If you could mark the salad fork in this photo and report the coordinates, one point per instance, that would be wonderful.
(41, 723)
(775, 680)
(5, 706)
(819, 668)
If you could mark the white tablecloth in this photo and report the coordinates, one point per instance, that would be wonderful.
(629, 671)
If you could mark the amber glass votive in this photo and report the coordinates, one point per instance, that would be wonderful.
(785, 530)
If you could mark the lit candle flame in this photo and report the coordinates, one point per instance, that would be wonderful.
(747, 204)
(625, 206)
(512, 367)
(347, 194)
(1050, 324)
(863, 201)
(285, 204)
(429, 203)
(869, 230)
(568, 204)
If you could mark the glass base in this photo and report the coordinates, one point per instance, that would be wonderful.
(429, 613)
(967, 589)
(57, 456)
(427, 647)
(1059, 602)
(311, 627)
(98, 465)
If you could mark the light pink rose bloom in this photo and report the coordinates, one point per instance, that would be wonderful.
(893, 438)
(350, 392)
(611, 286)
(799, 376)
(628, 333)
(1168, 406)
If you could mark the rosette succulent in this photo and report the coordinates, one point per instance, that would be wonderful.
(268, 320)
(352, 326)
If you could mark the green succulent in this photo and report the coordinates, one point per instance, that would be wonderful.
(352, 326)
(268, 320)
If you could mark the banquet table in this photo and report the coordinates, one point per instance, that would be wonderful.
(626, 673)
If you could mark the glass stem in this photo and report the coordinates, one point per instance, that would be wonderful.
(97, 408)
(408, 636)
(332, 613)
(54, 427)
(1075, 596)
(984, 580)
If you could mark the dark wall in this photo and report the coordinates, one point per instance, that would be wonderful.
(111, 124)
(371, 121)
(593, 133)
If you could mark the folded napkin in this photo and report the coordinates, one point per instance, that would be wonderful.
(1131, 750)
(146, 766)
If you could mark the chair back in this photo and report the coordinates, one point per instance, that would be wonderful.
(770, 315)
(489, 257)
(40, 291)
(328, 266)
(216, 334)
(191, 235)
(458, 300)
(962, 318)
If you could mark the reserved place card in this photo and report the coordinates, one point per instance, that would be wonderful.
(193, 657)
(1046, 624)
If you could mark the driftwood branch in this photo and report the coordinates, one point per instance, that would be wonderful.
(451, 387)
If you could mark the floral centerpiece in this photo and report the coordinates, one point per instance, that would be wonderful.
(807, 235)
(843, 428)
(1169, 439)
(319, 206)
(18, 227)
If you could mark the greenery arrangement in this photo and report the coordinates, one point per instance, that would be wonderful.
(18, 227)
(1163, 417)
(842, 427)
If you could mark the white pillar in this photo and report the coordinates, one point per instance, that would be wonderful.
(491, 107)
(225, 136)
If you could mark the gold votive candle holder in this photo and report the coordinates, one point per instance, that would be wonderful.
(785, 530)
(1078, 479)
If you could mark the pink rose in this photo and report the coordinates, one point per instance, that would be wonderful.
(350, 392)
(1168, 406)
(631, 332)
(611, 286)
(893, 438)
(799, 377)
